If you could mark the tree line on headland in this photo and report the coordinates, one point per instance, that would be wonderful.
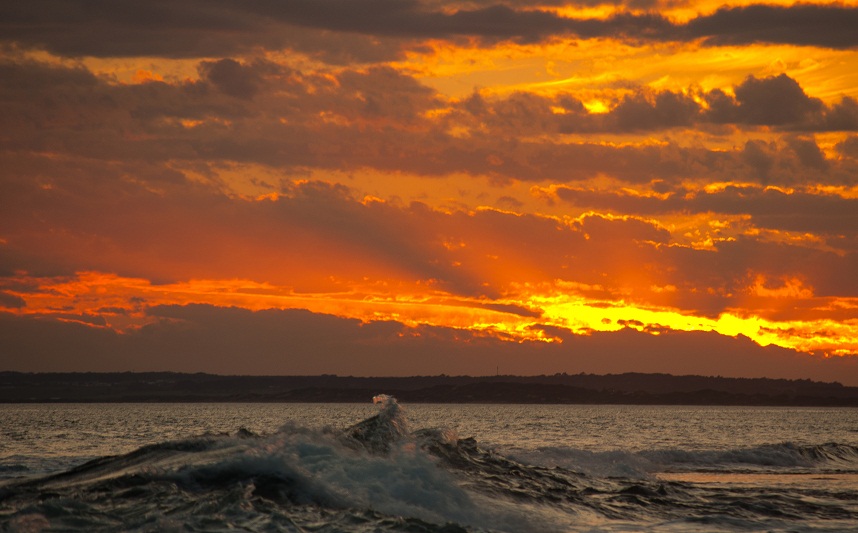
(629, 388)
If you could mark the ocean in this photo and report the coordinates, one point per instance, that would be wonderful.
(426, 468)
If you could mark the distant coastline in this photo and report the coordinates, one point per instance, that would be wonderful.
(629, 388)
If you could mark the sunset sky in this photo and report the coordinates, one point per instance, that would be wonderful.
(401, 187)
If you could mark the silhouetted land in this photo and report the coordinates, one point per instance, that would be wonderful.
(632, 388)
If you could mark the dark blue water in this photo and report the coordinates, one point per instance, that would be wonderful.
(426, 468)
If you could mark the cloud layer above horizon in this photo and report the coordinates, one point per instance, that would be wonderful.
(595, 186)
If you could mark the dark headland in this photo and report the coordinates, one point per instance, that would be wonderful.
(630, 388)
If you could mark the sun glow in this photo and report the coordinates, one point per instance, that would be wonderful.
(107, 300)
(513, 171)
(581, 315)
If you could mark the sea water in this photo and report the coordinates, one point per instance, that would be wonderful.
(421, 467)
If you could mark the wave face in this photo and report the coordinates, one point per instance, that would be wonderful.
(830, 457)
(783, 458)
(379, 475)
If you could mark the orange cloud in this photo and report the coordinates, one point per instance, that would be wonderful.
(124, 304)
(547, 176)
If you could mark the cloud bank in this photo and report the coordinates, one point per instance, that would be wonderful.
(294, 342)
(551, 183)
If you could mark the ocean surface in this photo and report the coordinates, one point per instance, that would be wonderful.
(426, 468)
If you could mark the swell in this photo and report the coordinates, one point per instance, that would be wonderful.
(773, 458)
(378, 475)
(823, 457)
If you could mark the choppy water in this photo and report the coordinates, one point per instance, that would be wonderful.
(345, 467)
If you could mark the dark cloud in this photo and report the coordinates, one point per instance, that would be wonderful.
(218, 28)
(773, 101)
(259, 112)
(755, 162)
(408, 19)
(827, 26)
(849, 147)
(231, 77)
(609, 231)
(11, 301)
(176, 29)
(830, 26)
(190, 28)
(776, 102)
(842, 116)
(291, 342)
(68, 110)
(661, 111)
(640, 111)
(807, 152)
(800, 211)
(760, 157)
(195, 28)
(513, 309)
(526, 113)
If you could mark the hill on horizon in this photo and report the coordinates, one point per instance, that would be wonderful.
(632, 388)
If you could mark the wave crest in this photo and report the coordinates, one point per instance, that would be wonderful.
(379, 433)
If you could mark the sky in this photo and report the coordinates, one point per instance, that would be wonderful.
(418, 187)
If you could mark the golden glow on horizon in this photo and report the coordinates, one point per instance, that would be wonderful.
(580, 315)
(123, 304)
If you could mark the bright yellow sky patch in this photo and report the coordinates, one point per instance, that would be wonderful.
(577, 66)
(113, 297)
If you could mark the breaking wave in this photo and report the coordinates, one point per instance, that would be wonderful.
(380, 475)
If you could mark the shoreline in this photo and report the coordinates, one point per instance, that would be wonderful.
(579, 389)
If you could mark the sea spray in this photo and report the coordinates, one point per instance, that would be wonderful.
(382, 431)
